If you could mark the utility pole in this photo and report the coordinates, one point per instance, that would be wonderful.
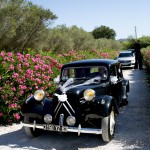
(135, 33)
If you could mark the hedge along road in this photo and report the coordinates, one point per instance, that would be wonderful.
(132, 129)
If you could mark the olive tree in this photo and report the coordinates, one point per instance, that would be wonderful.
(21, 23)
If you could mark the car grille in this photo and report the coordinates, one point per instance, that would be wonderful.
(68, 108)
(125, 61)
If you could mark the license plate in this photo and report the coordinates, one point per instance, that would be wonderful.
(51, 127)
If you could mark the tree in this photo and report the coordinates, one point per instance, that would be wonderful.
(104, 32)
(21, 23)
(62, 39)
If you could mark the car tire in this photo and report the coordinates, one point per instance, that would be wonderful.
(29, 131)
(108, 127)
(124, 102)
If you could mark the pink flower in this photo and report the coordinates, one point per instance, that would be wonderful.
(21, 71)
(0, 77)
(19, 66)
(14, 105)
(37, 67)
(15, 98)
(22, 87)
(26, 64)
(29, 71)
(49, 84)
(59, 55)
(11, 67)
(38, 55)
(60, 66)
(37, 74)
(12, 60)
(15, 75)
(6, 58)
(27, 56)
(21, 92)
(2, 54)
(36, 87)
(30, 88)
(9, 54)
(1, 114)
(13, 89)
(94, 50)
(3, 62)
(16, 116)
(38, 80)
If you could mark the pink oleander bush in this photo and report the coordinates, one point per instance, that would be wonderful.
(22, 74)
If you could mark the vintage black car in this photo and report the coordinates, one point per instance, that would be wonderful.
(87, 100)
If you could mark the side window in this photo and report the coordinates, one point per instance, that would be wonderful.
(72, 73)
(94, 70)
(119, 69)
(65, 74)
(100, 71)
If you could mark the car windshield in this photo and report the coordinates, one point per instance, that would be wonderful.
(125, 55)
(84, 72)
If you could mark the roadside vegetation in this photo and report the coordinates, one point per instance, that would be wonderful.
(146, 57)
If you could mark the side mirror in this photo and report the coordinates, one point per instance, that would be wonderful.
(57, 79)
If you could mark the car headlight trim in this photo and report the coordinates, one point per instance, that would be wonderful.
(48, 118)
(71, 120)
(89, 94)
(39, 95)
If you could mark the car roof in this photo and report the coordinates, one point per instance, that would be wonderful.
(92, 62)
(132, 50)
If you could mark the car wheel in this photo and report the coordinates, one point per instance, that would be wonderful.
(108, 126)
(29, 131)
(124, 102)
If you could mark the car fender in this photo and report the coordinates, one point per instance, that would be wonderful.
(34, 108)
(107, 102)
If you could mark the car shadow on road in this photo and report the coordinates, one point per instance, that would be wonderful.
(49, 141)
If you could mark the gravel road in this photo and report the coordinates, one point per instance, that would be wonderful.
(132, 130)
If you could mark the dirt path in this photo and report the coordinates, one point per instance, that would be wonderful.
(132, 130)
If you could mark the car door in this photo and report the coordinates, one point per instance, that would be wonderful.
(116, 83)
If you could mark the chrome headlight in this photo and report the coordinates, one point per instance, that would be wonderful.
(70, 120)
(89, 94)
(39, 95)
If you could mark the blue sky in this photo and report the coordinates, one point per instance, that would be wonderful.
(120, 15)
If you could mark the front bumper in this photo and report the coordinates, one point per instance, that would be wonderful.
(69, 129)
(127, 64)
